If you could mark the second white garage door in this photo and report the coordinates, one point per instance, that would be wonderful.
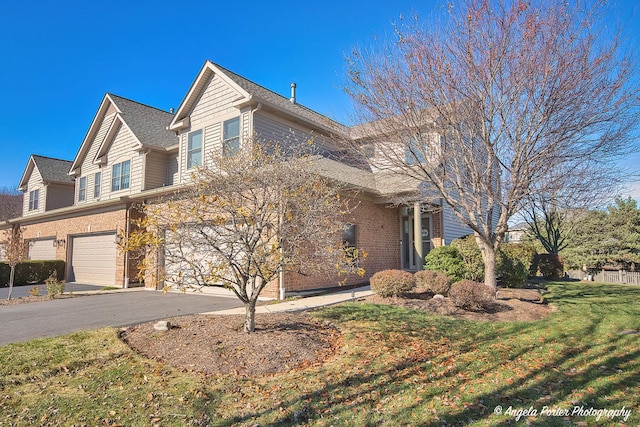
(93, 259)
(42, 249)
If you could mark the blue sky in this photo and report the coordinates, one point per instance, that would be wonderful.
(59, 58)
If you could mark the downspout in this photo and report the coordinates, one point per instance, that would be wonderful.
(126, 254)
(281, 274)
(253, 111)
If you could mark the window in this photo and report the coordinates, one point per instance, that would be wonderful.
(82, 189)
(194, 150)
(96, 184)
(34, 199)
(231, 137)
(120, 176)
(350, 241)
(415, 152)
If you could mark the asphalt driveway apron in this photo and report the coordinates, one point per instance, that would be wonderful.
(24, 322)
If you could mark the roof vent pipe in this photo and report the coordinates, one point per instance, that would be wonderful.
(293, 93)
(171, 110)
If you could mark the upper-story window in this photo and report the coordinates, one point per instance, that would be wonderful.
(82, 189)
(34, 199)
(194, 149)
(415, 152)
(231, 137)
(120, 176)
(97, 181)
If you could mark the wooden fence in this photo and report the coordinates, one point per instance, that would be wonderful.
(609, 276)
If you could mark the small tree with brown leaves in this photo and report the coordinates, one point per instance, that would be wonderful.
(246, 219)
(14, 252)
(483, 106)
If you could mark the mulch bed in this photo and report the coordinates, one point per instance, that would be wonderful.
(213, 344)
(511, 305)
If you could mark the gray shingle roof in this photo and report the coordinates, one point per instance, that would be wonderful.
(282, 102)
(53, 170)
(147, 123)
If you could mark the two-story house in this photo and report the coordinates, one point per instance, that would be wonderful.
(126, 151)
(134, 153)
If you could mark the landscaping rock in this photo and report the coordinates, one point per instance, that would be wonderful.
(438, 297)
(162, 325)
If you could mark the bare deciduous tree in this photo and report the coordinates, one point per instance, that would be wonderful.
(14, 252)
(553, 210)
(485, 105)
(247, 219)
(10, 203)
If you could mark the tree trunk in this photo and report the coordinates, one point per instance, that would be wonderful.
(250, 319)
(489, 258)
(11, 277)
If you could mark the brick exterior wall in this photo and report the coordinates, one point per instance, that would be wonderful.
(79, 224)
(378, 235)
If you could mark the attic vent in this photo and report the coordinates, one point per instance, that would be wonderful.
(293, 93)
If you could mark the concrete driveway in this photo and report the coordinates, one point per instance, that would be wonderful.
(24, 322)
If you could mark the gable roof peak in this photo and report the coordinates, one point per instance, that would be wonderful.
(250, 92)
(52, 170)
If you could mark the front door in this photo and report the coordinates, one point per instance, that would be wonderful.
(410, 258)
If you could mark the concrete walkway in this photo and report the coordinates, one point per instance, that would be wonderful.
(306, 303)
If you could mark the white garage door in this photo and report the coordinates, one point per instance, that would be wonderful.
(42, 249)
(93, 259)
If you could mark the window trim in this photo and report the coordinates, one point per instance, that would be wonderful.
(82, 189)
(192, 151)
(34, 200)
(227, 140)
(120, 177)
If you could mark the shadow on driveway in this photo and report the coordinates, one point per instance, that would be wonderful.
(24, 322)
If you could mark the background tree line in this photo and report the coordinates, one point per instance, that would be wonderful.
(596, 238)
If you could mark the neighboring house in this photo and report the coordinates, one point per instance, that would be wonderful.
(134, 153)
(46, 185)
(516, 233)
(127, 150)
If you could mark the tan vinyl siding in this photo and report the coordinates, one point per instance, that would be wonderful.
(182, 157)
(88, 167)
(155, 170)
(123, 148)
(212, 142)
(59, 196)
(214, 106)
(245, 123)
(172, 169)
(268, 127)
(217, 99)
(34, 183)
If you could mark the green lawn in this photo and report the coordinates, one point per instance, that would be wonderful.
(397, 367)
